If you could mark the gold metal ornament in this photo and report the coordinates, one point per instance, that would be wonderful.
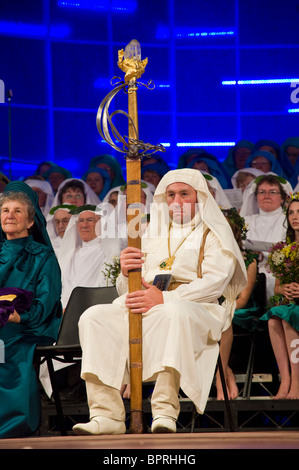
(133, 68)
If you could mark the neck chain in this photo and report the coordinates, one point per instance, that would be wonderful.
(166, 264)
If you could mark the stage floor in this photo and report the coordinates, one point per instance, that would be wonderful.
(221, 440)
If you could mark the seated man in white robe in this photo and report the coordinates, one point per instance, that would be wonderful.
(181, 327)
(83, 252)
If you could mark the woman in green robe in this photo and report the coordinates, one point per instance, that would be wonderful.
(27, 261)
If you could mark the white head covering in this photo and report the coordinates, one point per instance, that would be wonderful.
(253, 171)
(211, 215)
(250, 206)
(47, 189)
(71, 240)
(91, 197)
(118, 219)
(220, 196)
(56, 240)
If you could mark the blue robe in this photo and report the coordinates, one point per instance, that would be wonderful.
(33, 266)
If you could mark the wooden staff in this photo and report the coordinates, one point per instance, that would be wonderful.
(134, 67)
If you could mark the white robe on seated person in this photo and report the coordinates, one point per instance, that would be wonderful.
(183, 332)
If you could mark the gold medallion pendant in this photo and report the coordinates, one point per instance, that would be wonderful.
(166, 265)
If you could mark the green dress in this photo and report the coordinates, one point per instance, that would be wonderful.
(247, 317)
(26, 264)
(288, 312)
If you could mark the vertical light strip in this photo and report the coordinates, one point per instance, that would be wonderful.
(237, 53)
(172, 61)
(49, 83)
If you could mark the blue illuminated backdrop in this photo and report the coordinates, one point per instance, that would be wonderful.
(224, 71)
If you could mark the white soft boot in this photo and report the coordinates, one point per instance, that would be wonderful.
(165, 401)
(163, 424)
(100, 425)
(106, 410)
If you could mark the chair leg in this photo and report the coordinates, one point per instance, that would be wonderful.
(227, 402)
(56, 397)
(249, 371)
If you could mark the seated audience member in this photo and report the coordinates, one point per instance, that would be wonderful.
(43, 167)
(265, 162)
(237, 156)
(117, 221)
(153, 159)
(27, 262)
(45, 194)
(244, 304)
(242, 178)
(74, 191)
(188, 156)
(153, 173)
(269, 146)
(289, 159)
(57, 223)
(112, 166)
(99, 180)
(263, 212)
(209, 163)
(83, 252)
(181, 327)
(283, 319)
(56, 175)
(3, 181)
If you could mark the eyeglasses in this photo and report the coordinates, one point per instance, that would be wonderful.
(272, 192)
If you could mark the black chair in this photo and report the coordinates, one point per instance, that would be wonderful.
(68, 349)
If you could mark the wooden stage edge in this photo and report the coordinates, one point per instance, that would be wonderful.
(220, 440)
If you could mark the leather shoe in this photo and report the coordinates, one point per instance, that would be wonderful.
(100, 425)
(163, 424)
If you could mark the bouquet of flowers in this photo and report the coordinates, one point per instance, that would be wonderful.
(283, 263)
(112, 270)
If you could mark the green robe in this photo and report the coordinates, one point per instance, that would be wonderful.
(29, 265)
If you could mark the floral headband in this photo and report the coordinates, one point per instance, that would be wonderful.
(233, 215)
(290, 198)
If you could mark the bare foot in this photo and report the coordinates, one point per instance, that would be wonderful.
(293, 392)
(231, 383)
(282, 391)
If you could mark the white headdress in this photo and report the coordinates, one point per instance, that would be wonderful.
(211, 215)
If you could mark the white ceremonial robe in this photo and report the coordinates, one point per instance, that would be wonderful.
(266, 227)
(183, 333)
(85, 269)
